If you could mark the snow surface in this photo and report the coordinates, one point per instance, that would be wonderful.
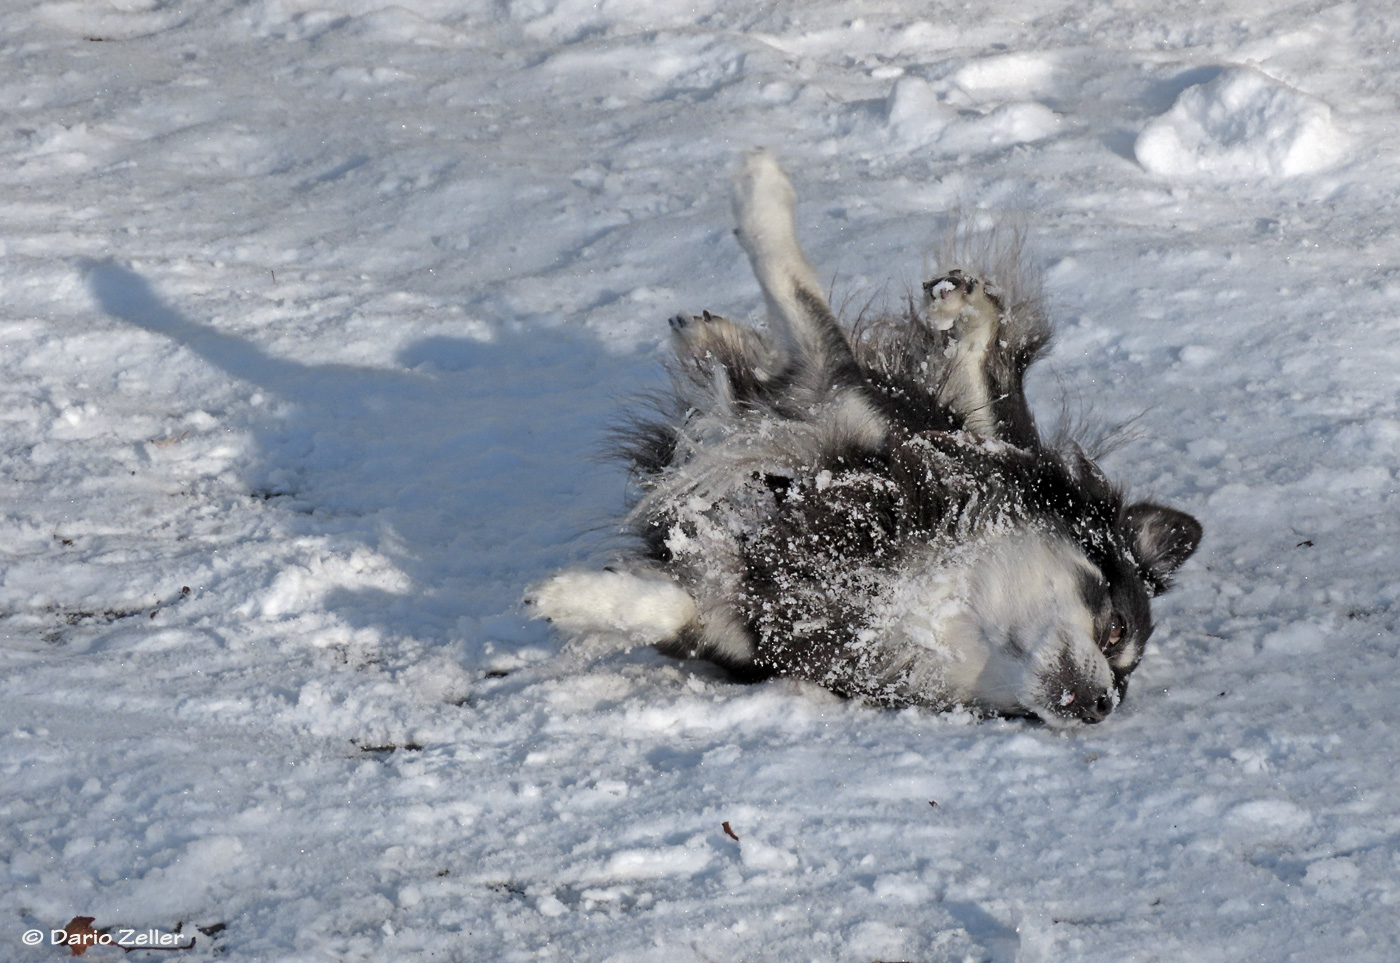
(316, 310)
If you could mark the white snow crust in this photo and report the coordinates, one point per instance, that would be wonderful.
(314, 315)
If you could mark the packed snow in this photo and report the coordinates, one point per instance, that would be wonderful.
(315, 316)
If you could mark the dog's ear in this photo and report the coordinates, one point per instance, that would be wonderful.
(1163, 538)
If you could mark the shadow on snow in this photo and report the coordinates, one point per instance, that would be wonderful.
(471, 467)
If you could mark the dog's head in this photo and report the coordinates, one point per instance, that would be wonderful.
(1062, 619)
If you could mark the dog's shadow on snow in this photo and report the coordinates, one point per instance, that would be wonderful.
(470, 465)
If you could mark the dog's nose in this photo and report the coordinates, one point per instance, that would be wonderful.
(1094, 710)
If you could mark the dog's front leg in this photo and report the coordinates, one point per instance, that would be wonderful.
(970, 315)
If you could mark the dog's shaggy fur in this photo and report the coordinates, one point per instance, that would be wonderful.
(875, 511)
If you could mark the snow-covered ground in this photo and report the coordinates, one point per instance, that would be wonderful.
(313, 313)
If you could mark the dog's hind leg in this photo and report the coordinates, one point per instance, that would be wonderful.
(806, 332)
(816, 361)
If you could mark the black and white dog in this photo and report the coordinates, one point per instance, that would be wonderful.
(875, 511)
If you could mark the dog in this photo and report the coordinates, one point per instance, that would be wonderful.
(875, 510)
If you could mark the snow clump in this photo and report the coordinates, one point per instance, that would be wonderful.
(1241, 125)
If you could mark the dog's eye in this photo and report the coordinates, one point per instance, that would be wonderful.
(1113, 634)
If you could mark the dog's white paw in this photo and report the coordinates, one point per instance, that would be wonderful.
(763, 207)
(967, 305)
(648, 610)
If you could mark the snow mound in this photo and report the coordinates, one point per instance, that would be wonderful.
(918, 118)
(1241, 125)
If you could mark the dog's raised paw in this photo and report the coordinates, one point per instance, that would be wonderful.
(971, 302)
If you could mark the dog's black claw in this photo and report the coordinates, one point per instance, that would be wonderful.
(960, 282)
(947, 286)
(679, 323)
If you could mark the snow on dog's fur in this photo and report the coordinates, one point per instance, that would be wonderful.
(876, 511)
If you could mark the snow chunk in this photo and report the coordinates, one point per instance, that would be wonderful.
(915, 113)
(118, 20)
(1336, 869)
(181, 886)
(875, 938)
(903, 888)
(684, 860)
(766, 857)
(1028, 746)
(1296, 639)
(1276, 814)
(1241, 125)
(1017, 123)
(918, 118)
(1026, 72)
(551, 906)
(1197, 355)
(298, 588)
